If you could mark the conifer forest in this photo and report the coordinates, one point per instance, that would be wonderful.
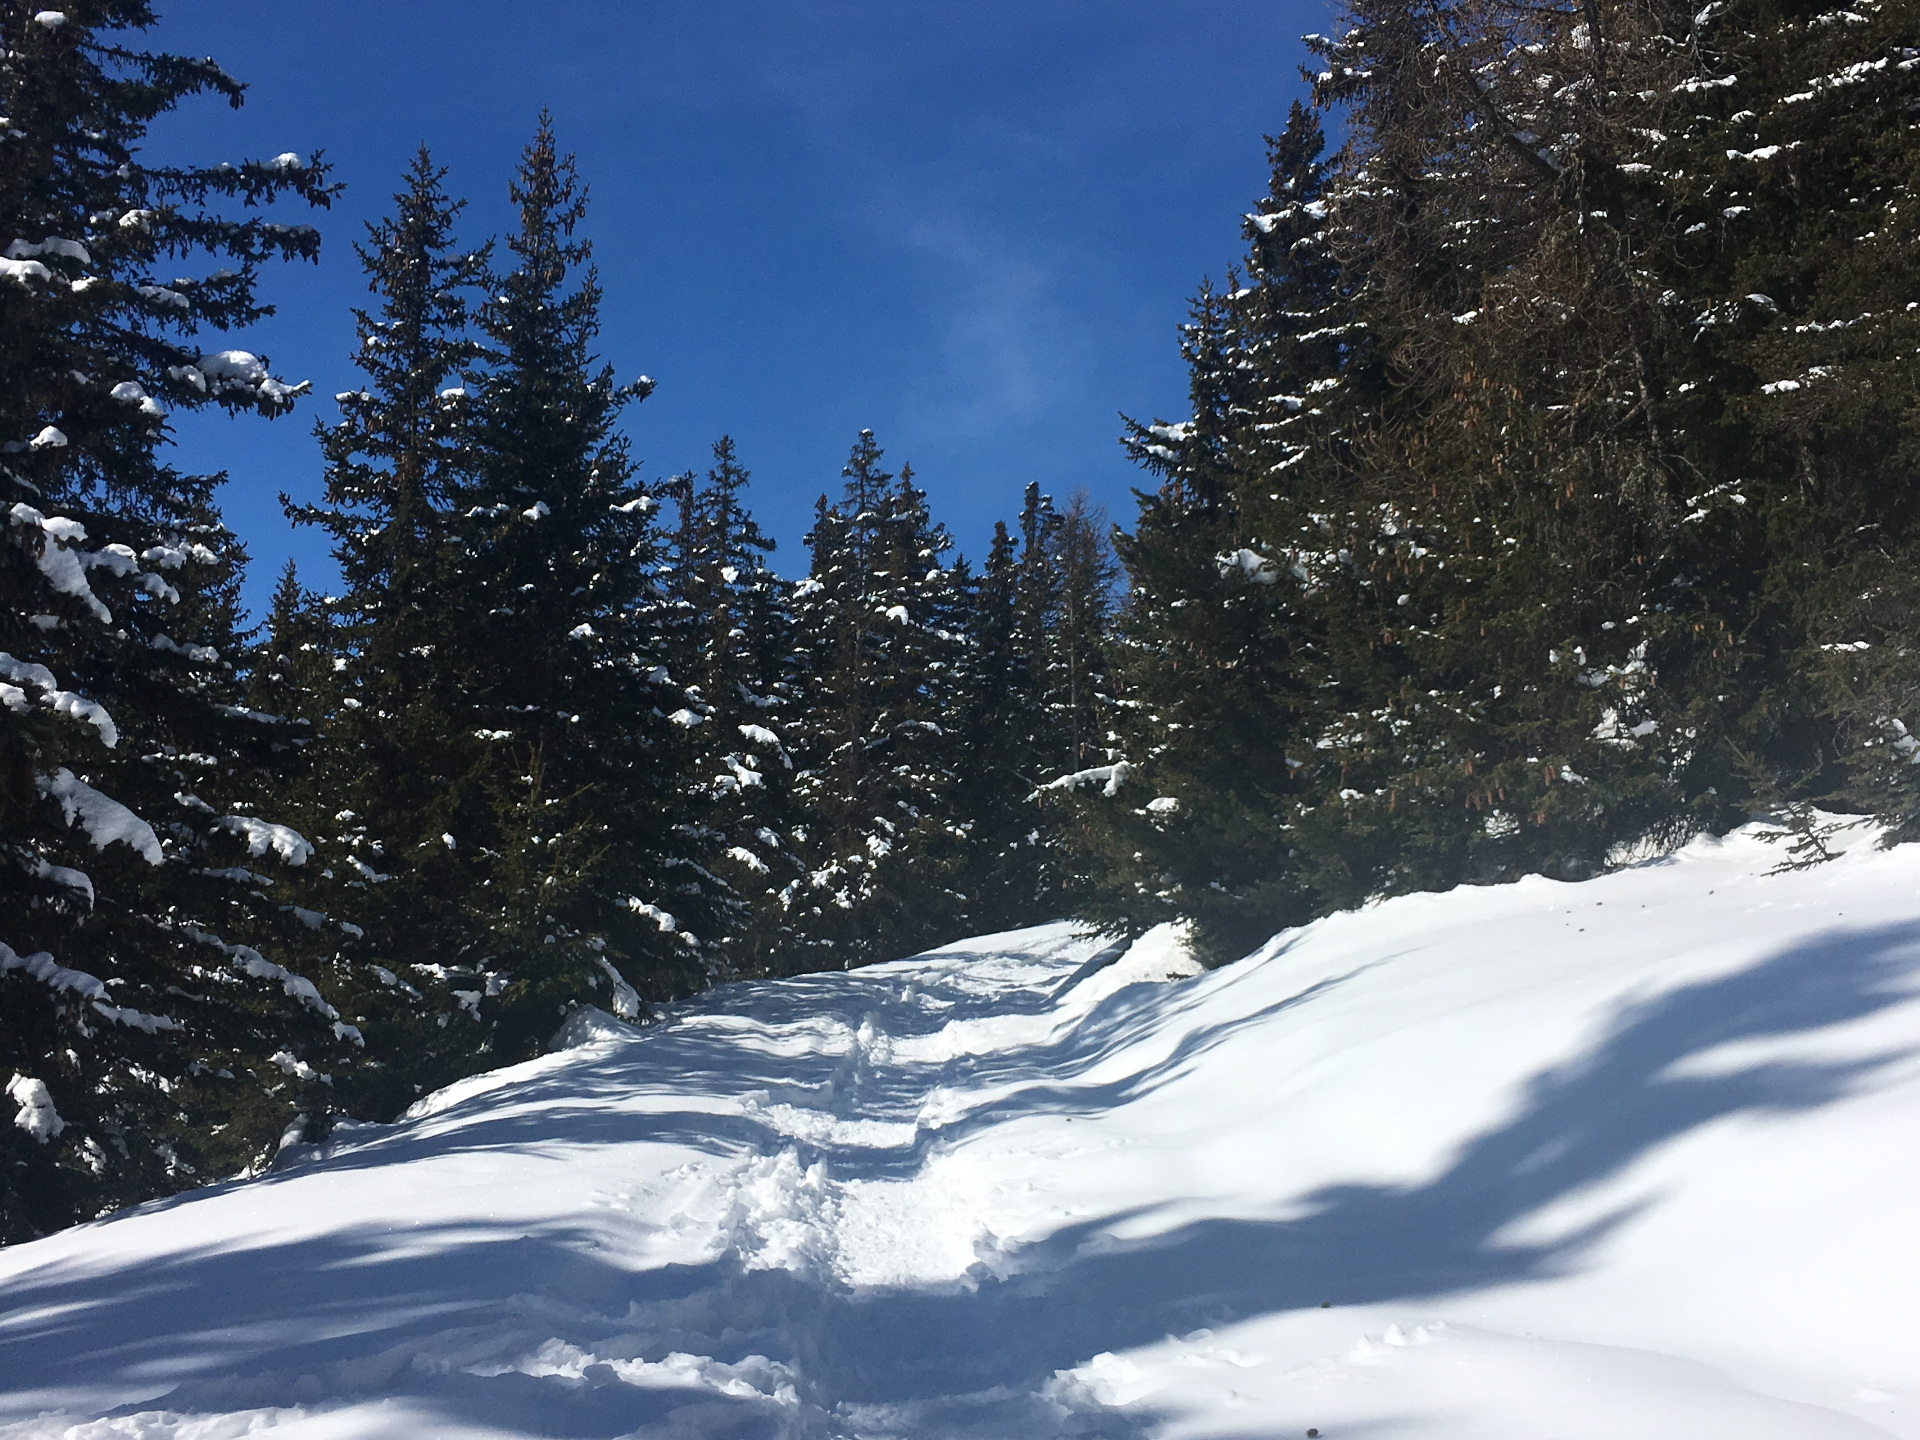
(1549, 495)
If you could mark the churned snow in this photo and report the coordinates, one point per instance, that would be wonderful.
(1632, 1159)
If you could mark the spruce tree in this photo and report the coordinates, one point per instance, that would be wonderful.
(1037, 705)
(737, 650)
(1521, 482)
(1801, 550)
(290, 670)
(1008, 874)
(396, 764)
(1561, 425)
(591, 871)
(879, 617)
(1612, 344)
(1220, 659)
(1073, 667)
(153, 1037)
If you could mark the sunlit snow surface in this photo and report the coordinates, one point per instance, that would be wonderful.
(1637, 1158)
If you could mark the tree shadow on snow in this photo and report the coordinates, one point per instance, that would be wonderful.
(420, 1312)
(602, 1099)
(357, 1313)
(1080, 1292)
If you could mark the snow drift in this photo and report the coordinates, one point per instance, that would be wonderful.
(1633, 1157)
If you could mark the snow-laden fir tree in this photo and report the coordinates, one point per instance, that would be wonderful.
(290, 670)
(1517, 486)
(1034, 705)
(590, 869)
(879, 617)
(395, 763)
(735, 647)
(1646, 403)
(1218, 661)
(1563, 424)
(1074, 603)
(151, 1034)
(1795, 170)
(1008, 878)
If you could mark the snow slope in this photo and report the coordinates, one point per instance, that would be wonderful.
(1638, 1157)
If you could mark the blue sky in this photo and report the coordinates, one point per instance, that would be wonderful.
(972, 228)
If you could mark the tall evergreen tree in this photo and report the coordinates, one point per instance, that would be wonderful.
(1802, 163)
(879, 618)
(290, 671)
(738, 651)
(1220, 658)
(150, 1039)
(1605, 438)
(1554, 440)
(1036, 705)
(1007, 874)
(1517, 485)
(396, 763)
(592, 872)
(1073, 668)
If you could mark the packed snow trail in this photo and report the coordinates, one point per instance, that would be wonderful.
(1634, 1157)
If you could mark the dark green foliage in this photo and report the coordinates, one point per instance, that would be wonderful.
(1545, 499)
(495, 769)
(563, 655)
(1001, 728)
(735, 643)
(1035, 701)
(1818, 153)
(394, 765)
(880, 619)
(151, 1036)
(1606, 352)
(1221, 660)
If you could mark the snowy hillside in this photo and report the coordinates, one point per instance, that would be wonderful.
(1638, 1157)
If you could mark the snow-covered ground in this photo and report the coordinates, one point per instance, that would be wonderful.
(1635, 1158)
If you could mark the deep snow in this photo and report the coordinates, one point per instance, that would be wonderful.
(1631, 1158)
